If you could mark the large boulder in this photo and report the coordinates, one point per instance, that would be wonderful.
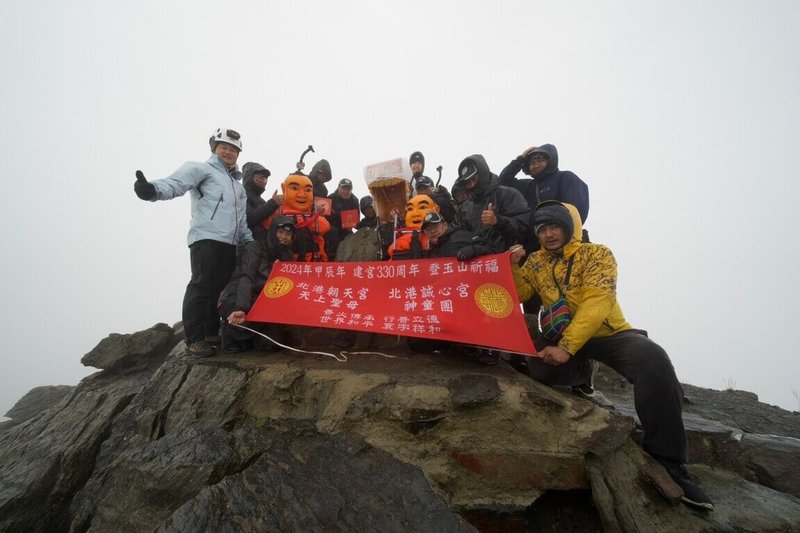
(121, 351)
(393, 441)
(37, 400)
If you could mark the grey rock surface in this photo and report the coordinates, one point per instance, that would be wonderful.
(413, 442)
(37, 400)
(129, 350)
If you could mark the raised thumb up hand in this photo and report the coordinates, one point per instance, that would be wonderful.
(488, 218)
(143, 188)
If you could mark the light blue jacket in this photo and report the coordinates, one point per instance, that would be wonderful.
(219, 202)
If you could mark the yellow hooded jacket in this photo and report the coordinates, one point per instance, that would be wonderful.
(592, 291)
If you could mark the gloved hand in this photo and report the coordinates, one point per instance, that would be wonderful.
(466, 253)
(143, 188)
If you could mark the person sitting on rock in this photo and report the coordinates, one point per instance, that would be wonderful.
(577, 284)
(253, 266)
(298, 203)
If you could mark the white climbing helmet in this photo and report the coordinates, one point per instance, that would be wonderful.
(225, 135)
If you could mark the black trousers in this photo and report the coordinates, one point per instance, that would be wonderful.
(657, 394)
(212, 265)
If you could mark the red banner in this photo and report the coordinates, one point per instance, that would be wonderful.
(472, 302)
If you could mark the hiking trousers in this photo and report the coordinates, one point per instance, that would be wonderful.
(212, 265)
(657, 394)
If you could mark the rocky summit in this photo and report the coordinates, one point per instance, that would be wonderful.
(384, 441)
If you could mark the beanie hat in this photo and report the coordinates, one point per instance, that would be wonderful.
(553, 212)
(284, 222)
(364, 202)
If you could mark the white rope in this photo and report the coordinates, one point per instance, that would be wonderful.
(375, 353)
(342, 357)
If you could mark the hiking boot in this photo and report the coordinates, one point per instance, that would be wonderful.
(263, 345)
(586, 389)
(344, 339)
(213, 339)
(693, 495)
(231, 346)
(488, 357)
(519, 363)
(200, 349)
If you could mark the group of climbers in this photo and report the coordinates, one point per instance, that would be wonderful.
(235, 236)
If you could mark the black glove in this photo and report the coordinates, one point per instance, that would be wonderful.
(466, 253)
(143, 188)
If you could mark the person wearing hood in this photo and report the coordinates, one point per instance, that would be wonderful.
(320, 175)
(253, 265)
(582, 322)
(498, 214)
(258, 209)
(547, 182)
(370, 218)
(218, 225)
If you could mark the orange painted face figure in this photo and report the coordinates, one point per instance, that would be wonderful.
(298, 193)
(416, 209)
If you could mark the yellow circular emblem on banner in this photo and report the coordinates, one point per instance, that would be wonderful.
(277, 287)
(494, 300)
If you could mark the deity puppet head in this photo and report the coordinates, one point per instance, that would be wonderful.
(416, 209)
(298, 193)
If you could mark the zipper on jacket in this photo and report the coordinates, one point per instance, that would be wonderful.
(235, 209)
(217, 206)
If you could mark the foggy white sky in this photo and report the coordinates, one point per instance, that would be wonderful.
(681, 116)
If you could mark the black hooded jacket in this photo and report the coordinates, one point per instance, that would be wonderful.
(456, 240)
(367, 222)
(320, 189)
(551, 184)
(253, 266)
(258, 209)
(510, 208)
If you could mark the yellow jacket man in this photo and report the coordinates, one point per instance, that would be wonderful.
(582, 277)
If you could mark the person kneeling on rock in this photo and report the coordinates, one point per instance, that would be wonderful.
(582, 322)
(253, 266)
